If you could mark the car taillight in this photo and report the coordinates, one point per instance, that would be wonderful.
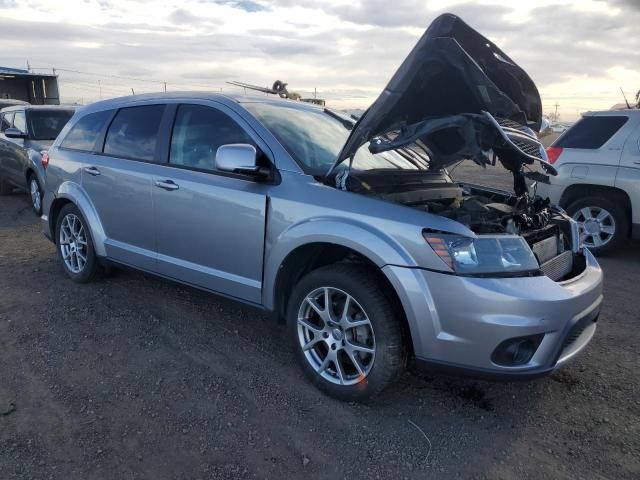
(44, 158)
(553, 153)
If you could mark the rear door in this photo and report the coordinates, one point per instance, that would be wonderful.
(210, 225)
(118, 181)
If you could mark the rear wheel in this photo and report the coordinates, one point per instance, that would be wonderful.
(604, 225)
(75, 245)
(35, 192)
(346, 336)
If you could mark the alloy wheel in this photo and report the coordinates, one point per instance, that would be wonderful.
(597, 226)
(36, 198)
(336, 336)
(73, 243)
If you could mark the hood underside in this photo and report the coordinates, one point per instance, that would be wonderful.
(456, 96)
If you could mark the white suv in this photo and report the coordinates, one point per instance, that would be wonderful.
(598, 181)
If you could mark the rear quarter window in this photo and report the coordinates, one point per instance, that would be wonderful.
(84, 134)
(591, 132)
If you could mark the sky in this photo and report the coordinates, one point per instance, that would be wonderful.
(578, 52)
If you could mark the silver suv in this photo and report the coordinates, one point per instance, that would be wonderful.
(352, 233)
(598, 181)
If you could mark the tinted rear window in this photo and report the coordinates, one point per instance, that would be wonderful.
(46, 125)
(84, 133)
(134, 132)
(591, 132)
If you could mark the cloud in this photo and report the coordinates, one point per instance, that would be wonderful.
(575, 50)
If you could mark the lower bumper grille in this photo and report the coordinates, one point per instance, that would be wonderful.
(558, 267)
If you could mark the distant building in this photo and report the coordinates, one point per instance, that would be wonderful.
(35, 88)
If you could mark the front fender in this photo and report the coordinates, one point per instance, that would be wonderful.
(76, 194)
(374, 244)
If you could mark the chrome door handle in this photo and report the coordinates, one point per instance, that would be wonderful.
(92, 171)
(167, 185)
(637, 162)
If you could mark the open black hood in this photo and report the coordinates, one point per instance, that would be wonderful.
(458, 95)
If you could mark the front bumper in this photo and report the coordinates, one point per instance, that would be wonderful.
(457, 322)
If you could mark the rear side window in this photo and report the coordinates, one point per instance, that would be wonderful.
(134, 132)
(84, 133)
(591, 132)
(198, 132)
(20, 122)
(46, 125)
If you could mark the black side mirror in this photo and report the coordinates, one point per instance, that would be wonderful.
(14, 133)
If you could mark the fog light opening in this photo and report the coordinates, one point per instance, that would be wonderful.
(516, 351)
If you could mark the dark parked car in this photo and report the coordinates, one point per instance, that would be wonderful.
(10, 102)
(25, 132)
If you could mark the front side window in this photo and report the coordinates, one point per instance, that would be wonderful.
(84, 134)
(6, 120)
(134, 133)
(198, 132)
(20, 122)
(46, 125)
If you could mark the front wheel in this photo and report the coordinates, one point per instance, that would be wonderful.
(346, 335)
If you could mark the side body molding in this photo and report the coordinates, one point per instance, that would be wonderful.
(76, 194)
(377, 246)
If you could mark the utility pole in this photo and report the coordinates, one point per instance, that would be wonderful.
(165, 87)
(100, 88)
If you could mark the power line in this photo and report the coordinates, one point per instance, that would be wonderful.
(122, 77)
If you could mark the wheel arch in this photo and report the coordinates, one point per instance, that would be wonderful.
(310, 256)
(70, 192)
(581, 190)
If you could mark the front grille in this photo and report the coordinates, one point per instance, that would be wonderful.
(558, 267)
(530, 148)
(573, 334)
(505, 122)
(579, 327)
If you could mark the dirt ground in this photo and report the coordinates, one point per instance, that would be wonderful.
(135, 377)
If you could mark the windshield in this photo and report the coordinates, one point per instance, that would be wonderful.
(47, 124)
(314, 137)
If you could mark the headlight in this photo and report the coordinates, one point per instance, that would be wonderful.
(483, 255)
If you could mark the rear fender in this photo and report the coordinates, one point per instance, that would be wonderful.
(76, 194)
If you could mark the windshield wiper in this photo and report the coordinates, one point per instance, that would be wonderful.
(348, 124)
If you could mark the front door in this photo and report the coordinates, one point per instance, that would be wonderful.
(210, 225)
(14, 153)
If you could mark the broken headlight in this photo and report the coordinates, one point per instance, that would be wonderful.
(487, 254)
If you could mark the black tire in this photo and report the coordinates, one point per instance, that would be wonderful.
(390, 348)
(36, 209)
(620, 216)
(5, 188)
(91, 267)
